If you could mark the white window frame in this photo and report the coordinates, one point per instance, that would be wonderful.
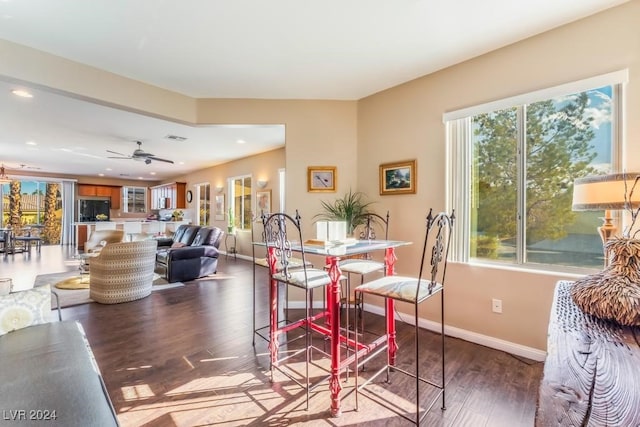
(239, 221)
(459, 133)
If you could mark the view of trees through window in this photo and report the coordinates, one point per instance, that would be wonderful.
(26, 204)
(525, 160)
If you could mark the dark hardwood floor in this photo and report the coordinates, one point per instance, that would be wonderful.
(184, 357)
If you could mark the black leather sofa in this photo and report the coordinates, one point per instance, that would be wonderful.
(191, 253)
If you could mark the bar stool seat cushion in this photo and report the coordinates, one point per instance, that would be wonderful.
(315, 278)
(400, 288)
(293, 262)
(360, 266)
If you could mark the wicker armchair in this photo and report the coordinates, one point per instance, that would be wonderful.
(123, 272)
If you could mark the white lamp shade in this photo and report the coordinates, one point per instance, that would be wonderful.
(604, 192)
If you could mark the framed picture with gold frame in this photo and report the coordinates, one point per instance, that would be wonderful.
(398, 178)
(321, 179)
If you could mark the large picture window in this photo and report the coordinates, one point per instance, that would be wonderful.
(519, 161)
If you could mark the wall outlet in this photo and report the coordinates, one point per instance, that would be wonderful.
(496, 305)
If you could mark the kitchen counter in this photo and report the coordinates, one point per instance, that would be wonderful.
(154, 227)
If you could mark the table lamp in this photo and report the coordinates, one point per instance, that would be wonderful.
(606, 192)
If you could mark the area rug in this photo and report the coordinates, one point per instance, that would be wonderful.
(82, 282)
(71, 297)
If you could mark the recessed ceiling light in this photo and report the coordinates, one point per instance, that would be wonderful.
(140, 177)
(31, 143)
(241, 141)
(152, 173)
(22, 93)
(100, 174)
(108, 169)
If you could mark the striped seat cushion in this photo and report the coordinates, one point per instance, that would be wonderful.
(400, 288)
(360, 266)
(293, 263)
(315, 278)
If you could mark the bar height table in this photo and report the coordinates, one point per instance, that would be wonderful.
(331, 328)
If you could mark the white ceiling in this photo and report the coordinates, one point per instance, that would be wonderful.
(277, 49)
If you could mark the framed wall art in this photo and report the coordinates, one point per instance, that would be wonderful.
(321, 179)
(398, 178)
(263, 201)
(219, 212)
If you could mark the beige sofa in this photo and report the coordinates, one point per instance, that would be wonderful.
(123, 272)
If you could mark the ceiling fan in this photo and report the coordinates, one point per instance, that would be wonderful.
(139, 155)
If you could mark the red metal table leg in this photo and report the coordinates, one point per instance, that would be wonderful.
(390, 261)
(273, 309)
(333, 306)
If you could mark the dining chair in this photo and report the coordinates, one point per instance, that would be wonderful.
(260, 261)
(414, 291)
(374, 227)
(280, 230)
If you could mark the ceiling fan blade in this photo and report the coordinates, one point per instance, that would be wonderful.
(159, 159)
(126, 158)
(115, 152)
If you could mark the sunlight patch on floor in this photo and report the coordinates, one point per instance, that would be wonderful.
(135, 392)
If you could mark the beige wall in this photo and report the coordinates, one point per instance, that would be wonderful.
(401, 123)
(409, 118)
(261, 166)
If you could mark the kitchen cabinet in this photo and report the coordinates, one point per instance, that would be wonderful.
(116, 197)
(111, 191)
(103, 191)
(86, 190)
(81, 236)
(169, 196)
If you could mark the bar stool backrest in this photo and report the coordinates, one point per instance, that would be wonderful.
(280, 230)
(435, 250)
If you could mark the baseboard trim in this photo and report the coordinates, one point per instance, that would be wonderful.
(452, 331)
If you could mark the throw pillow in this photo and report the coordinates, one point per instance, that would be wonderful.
(614, 293)
(178, 245)
(25, 308)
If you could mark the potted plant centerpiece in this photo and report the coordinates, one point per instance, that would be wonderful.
(352, 208)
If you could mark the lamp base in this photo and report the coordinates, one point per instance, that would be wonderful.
(607, 230)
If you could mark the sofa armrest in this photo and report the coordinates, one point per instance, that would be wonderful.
(164, 242)
(211, 251)
(186, 252)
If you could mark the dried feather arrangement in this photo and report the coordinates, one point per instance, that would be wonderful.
(614, 293)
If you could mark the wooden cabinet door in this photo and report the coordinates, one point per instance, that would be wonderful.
(103, 191)
(181, 195)
(81, 238)
(116, 198)
(86, 190)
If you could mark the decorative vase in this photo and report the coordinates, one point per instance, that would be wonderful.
(613, 293)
